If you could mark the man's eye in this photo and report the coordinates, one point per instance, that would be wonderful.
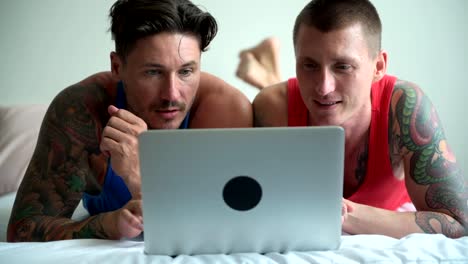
(310, 66)
(185, 72)
(153, 72)
(344, 67)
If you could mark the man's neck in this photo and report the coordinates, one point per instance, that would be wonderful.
(357, 129)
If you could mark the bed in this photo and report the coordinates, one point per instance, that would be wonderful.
(19, 126)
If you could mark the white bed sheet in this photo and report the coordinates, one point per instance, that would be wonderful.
(6, 203)
(416, 248)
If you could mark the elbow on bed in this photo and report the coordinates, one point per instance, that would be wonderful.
(11, 233)
(21, 230)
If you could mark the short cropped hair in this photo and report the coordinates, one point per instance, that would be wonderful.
(329, 15)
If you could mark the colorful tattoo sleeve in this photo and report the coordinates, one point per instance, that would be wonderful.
(419, 137)
(59, 171)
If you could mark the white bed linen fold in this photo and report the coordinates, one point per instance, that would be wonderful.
(416, 248)
(375, 249)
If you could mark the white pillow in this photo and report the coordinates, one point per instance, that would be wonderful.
(19, 129)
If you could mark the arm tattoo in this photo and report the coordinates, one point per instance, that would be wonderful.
(431, 163)
(59, 170)
(423, 219)
(394, 140)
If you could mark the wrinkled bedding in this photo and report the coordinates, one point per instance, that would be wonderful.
(19, 127)
(416, 248)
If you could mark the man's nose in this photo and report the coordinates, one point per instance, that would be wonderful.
(170, 91)
(325, 83)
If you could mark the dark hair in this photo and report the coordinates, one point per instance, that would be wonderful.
(132, 20)
(329, 15)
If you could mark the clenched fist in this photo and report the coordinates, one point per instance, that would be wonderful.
(345, 209)
(120, 141)
(126, 222)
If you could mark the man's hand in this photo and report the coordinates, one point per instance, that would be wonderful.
(126, 222)
(347, 208)
(120, 141)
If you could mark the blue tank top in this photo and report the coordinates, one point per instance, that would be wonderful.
(114, 193)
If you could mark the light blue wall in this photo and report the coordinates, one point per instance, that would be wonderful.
(49, 44)
(427, 43)
(244, 23)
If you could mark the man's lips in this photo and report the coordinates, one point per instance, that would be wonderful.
(327, 103)
(168, 113)
(168, 110)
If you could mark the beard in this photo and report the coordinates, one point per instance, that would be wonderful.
(165, 105)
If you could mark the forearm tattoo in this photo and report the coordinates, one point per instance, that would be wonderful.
(59, 171)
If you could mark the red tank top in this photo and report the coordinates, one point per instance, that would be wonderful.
(380, 187)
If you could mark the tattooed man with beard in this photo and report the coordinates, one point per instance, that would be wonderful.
(88, 148)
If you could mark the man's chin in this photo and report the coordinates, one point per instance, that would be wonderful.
(164, 124)
(326, 121)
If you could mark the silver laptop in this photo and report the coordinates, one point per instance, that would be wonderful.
(212, 191)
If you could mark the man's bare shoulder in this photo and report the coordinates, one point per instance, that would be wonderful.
(270, 106)
(66, 162)
(401, 86)
(81, 109)
(219, 105)
(104, 79)
(276, 95)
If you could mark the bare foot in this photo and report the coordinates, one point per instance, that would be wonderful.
(259, 65)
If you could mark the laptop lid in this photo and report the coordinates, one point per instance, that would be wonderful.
(210, 191)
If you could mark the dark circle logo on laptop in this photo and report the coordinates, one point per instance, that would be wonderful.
(242, 193)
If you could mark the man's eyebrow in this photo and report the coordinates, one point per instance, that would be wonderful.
(188, 64)
(157, 65)
(153, 65)
(336, 59)
(346, 58)
(306, 59)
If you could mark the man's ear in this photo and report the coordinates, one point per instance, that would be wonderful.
(116, 64)
(380, 66)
